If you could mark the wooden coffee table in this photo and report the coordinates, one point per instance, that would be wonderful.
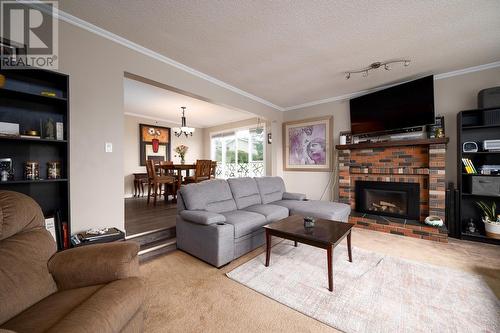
(325, 234)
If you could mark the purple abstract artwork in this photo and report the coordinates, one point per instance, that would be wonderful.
(307, 145)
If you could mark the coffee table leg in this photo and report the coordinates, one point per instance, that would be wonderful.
(268, 247)
(349, 246)
(329, 254)
(295, 243)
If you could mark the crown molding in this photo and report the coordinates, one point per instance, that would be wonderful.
(157, 119)
(441, 76)
(467, 70)
(68, 18)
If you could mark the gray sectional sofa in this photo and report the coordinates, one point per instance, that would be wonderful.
(219, 220)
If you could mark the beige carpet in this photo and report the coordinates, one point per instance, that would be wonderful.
(184, 294)
(375, 293)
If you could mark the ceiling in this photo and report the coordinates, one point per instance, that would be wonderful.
(290, 53)
(149, 101)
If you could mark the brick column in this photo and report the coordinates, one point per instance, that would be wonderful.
(344, 160)
(437, 185)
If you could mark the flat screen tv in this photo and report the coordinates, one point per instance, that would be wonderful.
(406, 105)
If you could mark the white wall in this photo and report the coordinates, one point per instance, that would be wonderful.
(131, 148)
(96, 67)
(452, 95)
(314, 184)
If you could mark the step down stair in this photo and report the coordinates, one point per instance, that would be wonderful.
(154, 242)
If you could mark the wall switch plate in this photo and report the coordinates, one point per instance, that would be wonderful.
(109, 147)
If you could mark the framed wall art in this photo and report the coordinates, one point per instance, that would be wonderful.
(307, 145)
(154, 143)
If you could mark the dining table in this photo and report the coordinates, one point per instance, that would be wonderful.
(141, 178)
(179, 168)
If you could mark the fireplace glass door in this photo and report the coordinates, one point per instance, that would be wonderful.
(388, 198)
(394, 202)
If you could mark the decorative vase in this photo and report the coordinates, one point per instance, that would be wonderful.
(54, 170)
(31, 170)
(492, 228)
(309, 222)
(183, 161)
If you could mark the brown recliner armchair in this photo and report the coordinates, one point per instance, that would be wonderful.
(93, 288)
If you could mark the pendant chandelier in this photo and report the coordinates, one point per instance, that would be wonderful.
(187, 131)
(260, 128)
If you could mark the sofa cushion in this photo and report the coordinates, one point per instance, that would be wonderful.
(49, 311)
(270, 188)
(24, 276)
(211, 195)
(202, 217)
(321, 209)
(103, 308)
(106, 311)
(245, 192)
(294, 196)
(271, 212)
(18, 212)
(25, 248)
(244, 222)
(94, 264)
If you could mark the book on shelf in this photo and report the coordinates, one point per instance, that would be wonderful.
(62, 232)
(65, 237)
(50, 225)
(469, 166)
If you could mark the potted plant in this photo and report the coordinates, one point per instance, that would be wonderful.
(491, 222)
(181, 151)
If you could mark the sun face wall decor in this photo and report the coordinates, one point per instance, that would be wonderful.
(154, 143)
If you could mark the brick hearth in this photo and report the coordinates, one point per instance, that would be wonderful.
(414, 163)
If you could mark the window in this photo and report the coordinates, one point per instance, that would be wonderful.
(239, 153)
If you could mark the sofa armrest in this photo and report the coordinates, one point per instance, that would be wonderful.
(294, 196)
(212, 243)
(202, 217)
(94, 264)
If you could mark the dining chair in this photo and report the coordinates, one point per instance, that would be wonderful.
(213, 169)
(202, 172)
(158, 181)
(167, 169)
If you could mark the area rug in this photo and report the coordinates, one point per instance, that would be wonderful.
(374, 293)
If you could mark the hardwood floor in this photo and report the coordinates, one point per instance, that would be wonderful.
(141, 217)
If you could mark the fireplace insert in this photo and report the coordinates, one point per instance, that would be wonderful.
(388, 198)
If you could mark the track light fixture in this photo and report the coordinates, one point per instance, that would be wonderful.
(377, 65)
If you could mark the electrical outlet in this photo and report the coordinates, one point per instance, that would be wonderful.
(108, 147)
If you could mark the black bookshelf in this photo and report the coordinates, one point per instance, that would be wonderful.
(22, 102)
(475, 126)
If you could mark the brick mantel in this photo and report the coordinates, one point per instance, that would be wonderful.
(422, 162)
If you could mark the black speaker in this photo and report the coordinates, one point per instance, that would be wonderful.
(488, 98)
(452, 211)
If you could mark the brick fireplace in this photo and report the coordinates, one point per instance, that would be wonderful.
(403, 182)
